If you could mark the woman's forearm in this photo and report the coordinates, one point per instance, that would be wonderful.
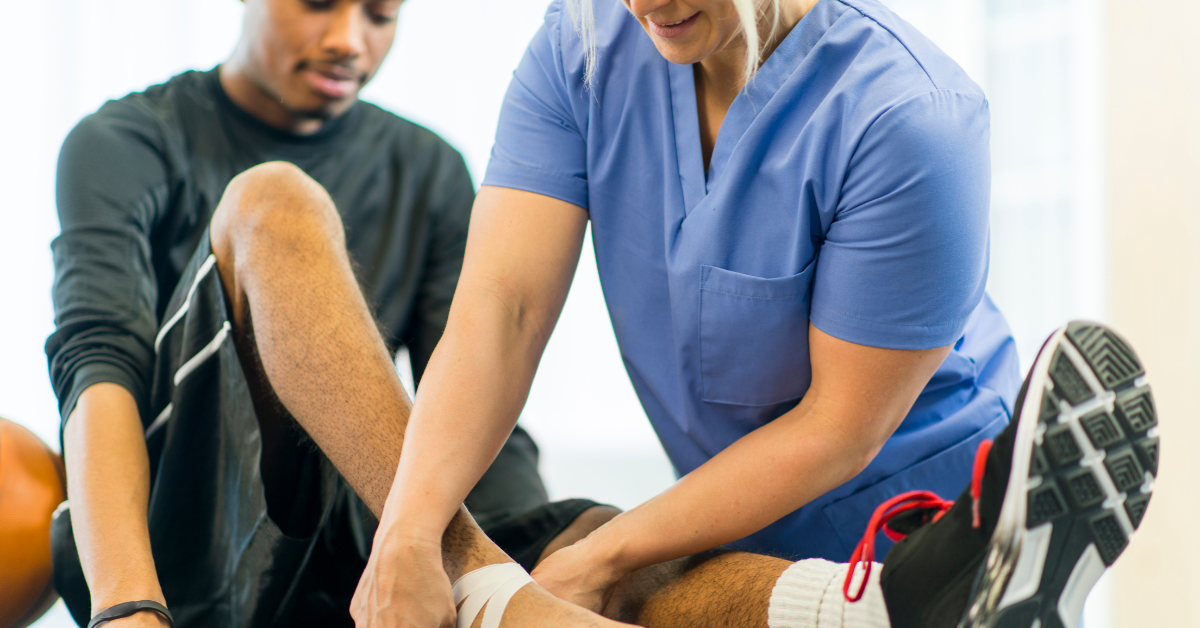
(471, 395)
(858, 397)
(108, 481)
(521, 256)
(763, 476)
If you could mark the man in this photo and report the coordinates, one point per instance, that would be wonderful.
(189, 482)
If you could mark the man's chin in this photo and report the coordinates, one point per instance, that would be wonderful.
(323, 110)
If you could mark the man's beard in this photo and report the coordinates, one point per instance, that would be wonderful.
(320, 114)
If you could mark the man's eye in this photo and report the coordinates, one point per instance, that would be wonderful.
(383, 11)
(319, 4)
(381, 18)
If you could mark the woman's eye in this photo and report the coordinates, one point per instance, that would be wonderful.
(319, 4)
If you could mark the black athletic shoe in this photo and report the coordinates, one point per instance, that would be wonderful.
(1051, 505)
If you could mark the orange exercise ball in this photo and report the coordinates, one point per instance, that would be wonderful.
(31, 487)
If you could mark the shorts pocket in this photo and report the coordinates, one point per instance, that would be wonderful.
(754, 337)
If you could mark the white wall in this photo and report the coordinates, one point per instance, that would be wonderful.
(1153, 88)
(74, 55)
(77, 54)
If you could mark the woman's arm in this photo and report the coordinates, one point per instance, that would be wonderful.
(858, 397)
(522, 250)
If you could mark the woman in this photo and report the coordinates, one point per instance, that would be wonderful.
(789, 204)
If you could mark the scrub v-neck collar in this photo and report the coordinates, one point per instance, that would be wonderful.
(745, 107)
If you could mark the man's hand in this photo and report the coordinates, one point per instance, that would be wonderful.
(404, 586)
(578, 575)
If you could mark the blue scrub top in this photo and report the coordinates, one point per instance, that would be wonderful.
(848, 187)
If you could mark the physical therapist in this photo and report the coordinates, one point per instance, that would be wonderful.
(789, 204)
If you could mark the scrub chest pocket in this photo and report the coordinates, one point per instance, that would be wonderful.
(754, 337)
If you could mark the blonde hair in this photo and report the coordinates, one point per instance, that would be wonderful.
(749, 13)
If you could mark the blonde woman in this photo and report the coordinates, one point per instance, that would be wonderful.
(789, 204)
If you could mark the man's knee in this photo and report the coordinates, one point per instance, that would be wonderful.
(273, 207)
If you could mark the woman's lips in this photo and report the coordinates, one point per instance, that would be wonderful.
(330, 86)
(672, 29)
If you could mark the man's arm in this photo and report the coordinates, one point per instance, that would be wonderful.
(108, 472)
(111, 180)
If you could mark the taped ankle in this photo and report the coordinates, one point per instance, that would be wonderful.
(492, 586)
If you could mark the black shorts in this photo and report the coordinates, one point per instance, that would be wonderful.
(221, 559)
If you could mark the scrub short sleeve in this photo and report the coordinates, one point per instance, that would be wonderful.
(539, 145)
(905, 258)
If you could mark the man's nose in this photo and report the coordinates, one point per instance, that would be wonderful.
(345, 35)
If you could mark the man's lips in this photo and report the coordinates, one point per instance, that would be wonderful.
(332, 82)
(670, 30)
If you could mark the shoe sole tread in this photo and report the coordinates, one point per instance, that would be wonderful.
(1090, 474)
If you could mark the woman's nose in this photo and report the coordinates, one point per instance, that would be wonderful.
(643, 8)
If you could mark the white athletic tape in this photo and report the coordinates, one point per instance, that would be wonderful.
(494, 586)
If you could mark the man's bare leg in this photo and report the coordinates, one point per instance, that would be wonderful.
(727, 589)
(280, 251)
(718, 589)
(466, 548)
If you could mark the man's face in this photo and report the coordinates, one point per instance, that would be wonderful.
(687, 31)
(313, 56)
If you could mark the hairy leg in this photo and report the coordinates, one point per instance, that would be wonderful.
(302, 321)
(280, 250)
(718, 589)
(288, 462)
(466, 548)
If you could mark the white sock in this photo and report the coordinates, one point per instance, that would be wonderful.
(809, 595)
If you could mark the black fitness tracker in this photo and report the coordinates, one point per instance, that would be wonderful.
(128, 608)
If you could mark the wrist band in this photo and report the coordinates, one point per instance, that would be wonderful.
(128, 608)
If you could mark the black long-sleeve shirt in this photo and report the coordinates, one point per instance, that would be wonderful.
(137, 185)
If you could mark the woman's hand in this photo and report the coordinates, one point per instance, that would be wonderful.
(404, 586)
(579, 575)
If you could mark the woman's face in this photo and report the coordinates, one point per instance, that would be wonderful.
(687, 31)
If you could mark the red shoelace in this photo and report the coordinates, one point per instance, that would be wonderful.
(864, 552)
